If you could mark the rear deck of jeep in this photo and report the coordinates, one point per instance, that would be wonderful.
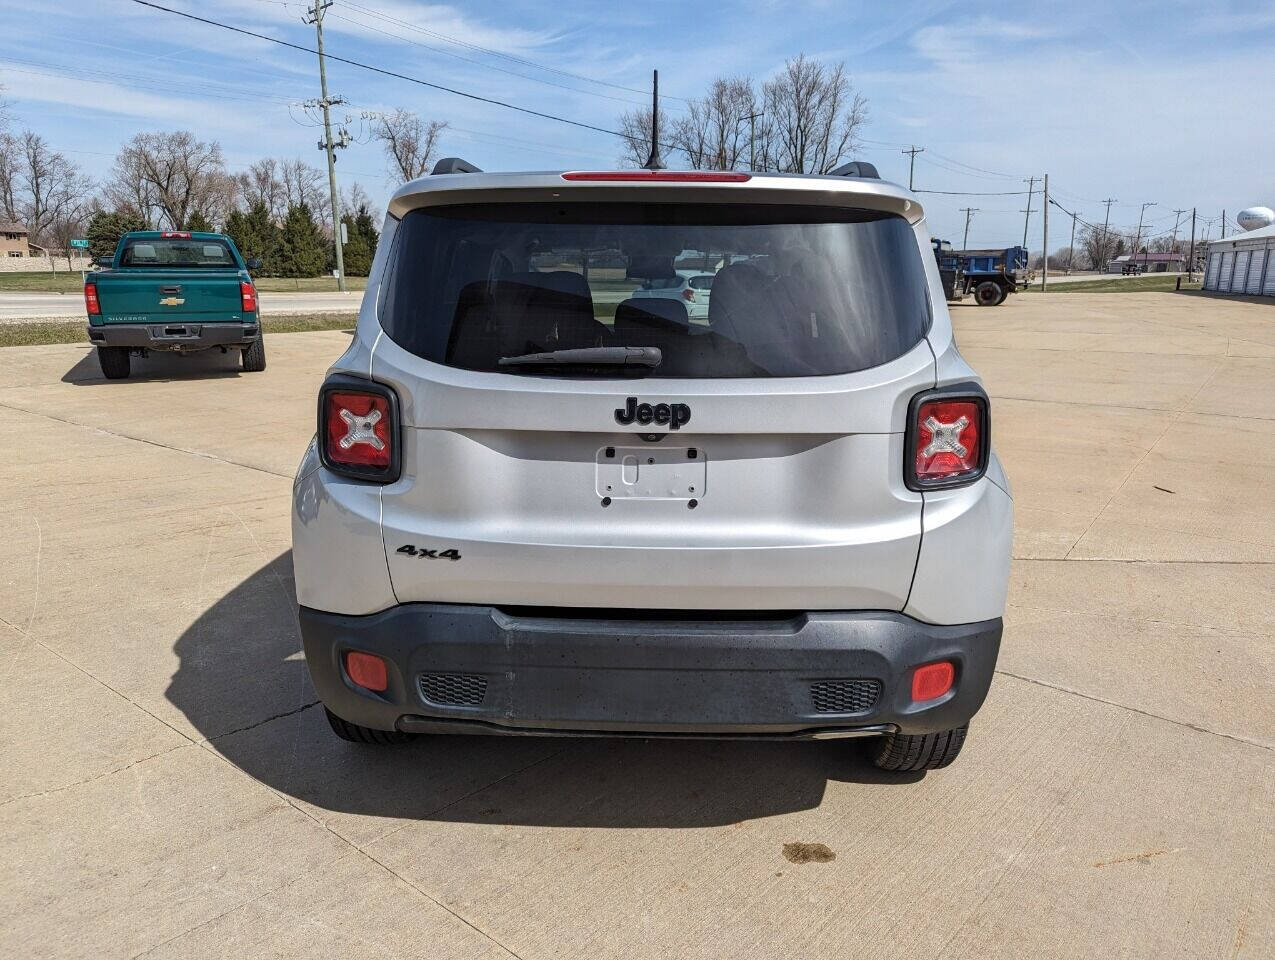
(598, 514)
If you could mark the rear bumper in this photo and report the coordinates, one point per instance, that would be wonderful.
(175, 335)
(475, 669)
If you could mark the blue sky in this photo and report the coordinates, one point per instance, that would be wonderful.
(1141, 101)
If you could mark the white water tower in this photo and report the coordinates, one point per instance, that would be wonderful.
(1254, 218)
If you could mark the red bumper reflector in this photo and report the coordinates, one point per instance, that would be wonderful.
(932, 681)
(367, 670)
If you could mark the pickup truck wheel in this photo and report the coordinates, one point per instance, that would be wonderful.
(254, 356)
(904, 753)
(114, 362)
(356, 734)
(988, 294)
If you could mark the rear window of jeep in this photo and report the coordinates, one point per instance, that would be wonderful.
(777, 291)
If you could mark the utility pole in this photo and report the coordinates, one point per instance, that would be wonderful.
(912, 161)
(1223, 224)
(752, 138)
(1031, 186)
(965, 242)
(1102, 267)
(1044, 267)
(1071, 247)
(1138, 240)
(326, 144)
(1177, 220)
(1190, 264)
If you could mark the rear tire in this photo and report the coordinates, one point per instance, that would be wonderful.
(254, 356)
(114, 362)
(907, 753)
(988, 294)
(356, 734)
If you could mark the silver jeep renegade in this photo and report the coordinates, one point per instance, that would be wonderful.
(543, 503)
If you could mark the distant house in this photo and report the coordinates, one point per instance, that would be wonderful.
(1149, 262)
(15, 240)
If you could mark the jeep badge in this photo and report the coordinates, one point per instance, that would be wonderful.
(673, 414)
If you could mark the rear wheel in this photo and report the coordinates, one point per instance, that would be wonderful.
(988, 293)
(114, 362)
(904, 753)
(356, 734)
(254, 356)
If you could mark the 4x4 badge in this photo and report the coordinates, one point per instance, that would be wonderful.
(673, 414)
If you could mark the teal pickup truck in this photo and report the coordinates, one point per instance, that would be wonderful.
(173, 291)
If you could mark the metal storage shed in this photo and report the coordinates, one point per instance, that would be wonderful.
(1243, 263)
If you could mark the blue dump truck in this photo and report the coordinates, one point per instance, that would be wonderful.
(991, 275)
(173, 291)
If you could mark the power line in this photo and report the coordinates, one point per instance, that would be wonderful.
(486, 66)
(381, 15)
(384, 72)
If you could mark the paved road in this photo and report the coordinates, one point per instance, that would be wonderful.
(16, 307)
(171, 789)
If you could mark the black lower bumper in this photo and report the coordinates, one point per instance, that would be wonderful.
(475, 669)
(177, 336)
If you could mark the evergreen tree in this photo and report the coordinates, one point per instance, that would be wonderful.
(303, 251)
(366, 226)
(358, 256)
(198, 223)
(107, 226)
(256, 235)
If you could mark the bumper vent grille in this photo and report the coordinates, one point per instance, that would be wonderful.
(453, 689)
(844, 696)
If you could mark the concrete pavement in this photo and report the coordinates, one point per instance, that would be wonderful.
(171, 790)
(16, 307)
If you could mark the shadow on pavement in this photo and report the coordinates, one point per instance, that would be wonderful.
(242, 682)
(157, 366)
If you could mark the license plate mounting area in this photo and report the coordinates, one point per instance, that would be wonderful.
(651, 473)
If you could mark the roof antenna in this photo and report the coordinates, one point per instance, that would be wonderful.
(654, 161)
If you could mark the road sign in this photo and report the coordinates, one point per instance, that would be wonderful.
(80, 244)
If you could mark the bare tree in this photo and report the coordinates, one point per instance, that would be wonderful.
(39, 186)
(635, 134)
(170, 176)
(355, 197)
(302, 183)
(715, 131)
(261, 183)
(410, 143)
(813, 116)
(1098, 247)
(9, 176)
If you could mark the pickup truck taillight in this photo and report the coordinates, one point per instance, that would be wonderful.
(688, 295)
(90, 300)
(248, 293)
(359, 429)
(948, 437)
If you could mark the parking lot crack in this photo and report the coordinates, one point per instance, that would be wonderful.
(100, 776)
(1146, 713)
(154, 443)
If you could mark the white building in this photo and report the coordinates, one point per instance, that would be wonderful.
(1243, 263)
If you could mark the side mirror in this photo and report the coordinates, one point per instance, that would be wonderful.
(253, 263)
(103, 261)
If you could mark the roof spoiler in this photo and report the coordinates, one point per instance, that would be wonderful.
(453, 165)
(856, 168)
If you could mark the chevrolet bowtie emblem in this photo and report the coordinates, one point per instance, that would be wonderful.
(171, 302)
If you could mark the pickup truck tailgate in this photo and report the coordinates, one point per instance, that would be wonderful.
(132, 296)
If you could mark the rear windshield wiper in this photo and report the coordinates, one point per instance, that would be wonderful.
(589, 356)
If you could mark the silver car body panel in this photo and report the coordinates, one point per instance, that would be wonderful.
(803, 505)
